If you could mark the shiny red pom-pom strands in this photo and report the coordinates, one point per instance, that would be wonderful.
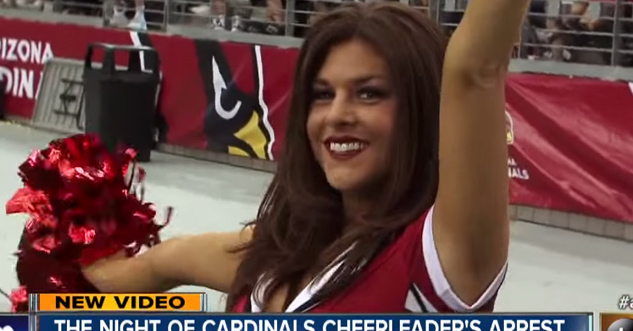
(85, 204)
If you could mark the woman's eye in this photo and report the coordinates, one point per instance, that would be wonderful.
(370, 94)
(320, 95)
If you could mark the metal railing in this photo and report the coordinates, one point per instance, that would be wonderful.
(587, 32)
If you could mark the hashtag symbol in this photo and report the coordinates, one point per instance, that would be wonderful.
(625, 302)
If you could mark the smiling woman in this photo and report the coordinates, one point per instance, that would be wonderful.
(351, 119)
(392, 189)
(354, 194)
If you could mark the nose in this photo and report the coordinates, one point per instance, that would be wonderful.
(342, 110)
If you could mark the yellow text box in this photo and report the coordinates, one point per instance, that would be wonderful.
(121, 302)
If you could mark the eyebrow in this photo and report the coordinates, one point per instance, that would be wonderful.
(357, 81)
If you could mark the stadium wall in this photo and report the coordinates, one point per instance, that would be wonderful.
(568, 136)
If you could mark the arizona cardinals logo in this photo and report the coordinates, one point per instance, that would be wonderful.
(236, 120)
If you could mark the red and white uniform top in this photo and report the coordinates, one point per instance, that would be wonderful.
(405, 277)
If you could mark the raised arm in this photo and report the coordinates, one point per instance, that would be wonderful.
(470, 218)
(204, 260)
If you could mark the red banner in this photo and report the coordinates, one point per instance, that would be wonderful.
(25, 46)
(572, 144)
(569, 137)
(245, 117)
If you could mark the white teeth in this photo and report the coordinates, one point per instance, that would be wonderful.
(345, 147)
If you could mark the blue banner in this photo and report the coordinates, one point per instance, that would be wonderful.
(13, 322)
(305, 322)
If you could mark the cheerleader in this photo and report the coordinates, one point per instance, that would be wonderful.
(391, 193)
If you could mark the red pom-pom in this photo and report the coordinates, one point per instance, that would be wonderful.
(19, 300)
(83, 206)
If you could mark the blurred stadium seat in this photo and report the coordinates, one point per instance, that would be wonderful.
(598, 32)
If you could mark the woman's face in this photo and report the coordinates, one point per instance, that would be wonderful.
(352, 116)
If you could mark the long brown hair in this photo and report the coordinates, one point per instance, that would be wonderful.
(299, 226)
